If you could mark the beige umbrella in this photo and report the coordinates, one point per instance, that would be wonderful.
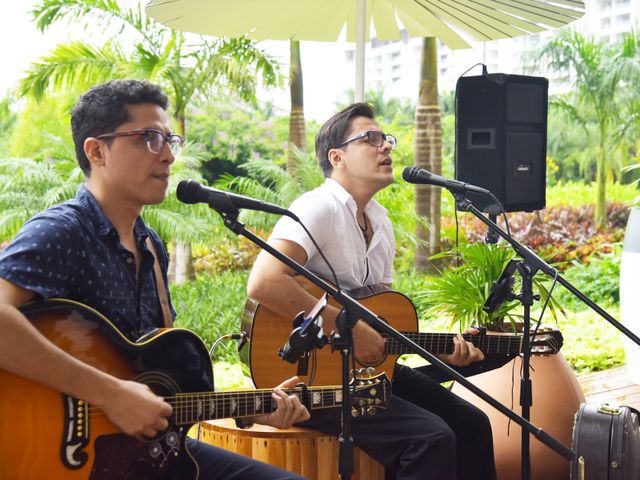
(454, 22)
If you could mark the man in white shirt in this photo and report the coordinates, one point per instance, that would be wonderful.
(427, 432)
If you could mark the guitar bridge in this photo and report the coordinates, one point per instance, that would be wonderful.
(75, 436)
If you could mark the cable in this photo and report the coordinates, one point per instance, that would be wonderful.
(313, 240)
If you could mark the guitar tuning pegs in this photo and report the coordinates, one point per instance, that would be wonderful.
(355, 412)
(370, 370)
(371, 410)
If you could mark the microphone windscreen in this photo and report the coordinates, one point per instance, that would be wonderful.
(409, 174)
(188, 191)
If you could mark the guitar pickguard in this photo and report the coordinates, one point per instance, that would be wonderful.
(119, 456)
(75, 433)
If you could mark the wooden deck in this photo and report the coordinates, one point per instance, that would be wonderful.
(610, 386)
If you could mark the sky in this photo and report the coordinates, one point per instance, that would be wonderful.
(326, 74)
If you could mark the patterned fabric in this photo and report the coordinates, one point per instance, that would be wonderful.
(73, 251)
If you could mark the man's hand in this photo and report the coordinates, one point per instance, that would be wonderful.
(288, 411)
(368, 344)
(135, 409)
(464, 353)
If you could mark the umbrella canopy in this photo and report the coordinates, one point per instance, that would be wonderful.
(454, 22)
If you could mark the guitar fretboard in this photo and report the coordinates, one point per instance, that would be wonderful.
(194, 407)
(443, 343)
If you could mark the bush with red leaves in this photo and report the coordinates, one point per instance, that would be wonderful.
(560, 234)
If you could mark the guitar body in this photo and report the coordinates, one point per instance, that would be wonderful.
(268, 332)
(49, 435)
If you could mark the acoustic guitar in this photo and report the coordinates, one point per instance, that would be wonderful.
(268, 331)
(49, 435)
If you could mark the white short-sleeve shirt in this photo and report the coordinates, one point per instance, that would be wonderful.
(329, 213)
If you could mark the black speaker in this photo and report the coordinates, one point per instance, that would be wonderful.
(501, 139)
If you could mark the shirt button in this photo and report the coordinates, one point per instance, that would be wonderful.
(129, 260)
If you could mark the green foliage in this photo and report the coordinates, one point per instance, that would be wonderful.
(211, 306)
(269, 181)
(187, 67)
(590, 342)
(42, 131)
(232, 135)
(7, 123)
(577, 193)
(599, 74)
(28, 186)
(596, 277)
(458, 295)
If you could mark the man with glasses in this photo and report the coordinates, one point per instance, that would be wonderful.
(426, 432)
(96, 249)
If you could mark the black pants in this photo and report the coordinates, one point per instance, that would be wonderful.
(217, 463)
(426, 432)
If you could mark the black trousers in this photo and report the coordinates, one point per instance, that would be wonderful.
(219, 464)
(426, 432)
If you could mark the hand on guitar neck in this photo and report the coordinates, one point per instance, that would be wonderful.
(464, 352)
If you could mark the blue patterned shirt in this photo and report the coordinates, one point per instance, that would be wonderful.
(72, 250)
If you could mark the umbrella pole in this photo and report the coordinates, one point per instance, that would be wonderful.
(360, 36)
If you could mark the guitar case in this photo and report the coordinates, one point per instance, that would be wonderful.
(607, 440)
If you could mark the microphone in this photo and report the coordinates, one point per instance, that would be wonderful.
(421, 176)
(190, 191)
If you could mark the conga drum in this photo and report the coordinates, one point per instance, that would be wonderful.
(307, 452)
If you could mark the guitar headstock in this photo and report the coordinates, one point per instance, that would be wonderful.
(371, 392)
(546, 341)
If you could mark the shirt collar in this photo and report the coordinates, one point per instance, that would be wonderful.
(376, 212)
(101, 222)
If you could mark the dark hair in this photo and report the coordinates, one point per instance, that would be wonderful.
(103, 108)
(335, 131)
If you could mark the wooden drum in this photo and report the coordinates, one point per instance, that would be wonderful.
(307, 452)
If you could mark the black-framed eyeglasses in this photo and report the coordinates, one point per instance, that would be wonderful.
(155, 139)
(375, 139)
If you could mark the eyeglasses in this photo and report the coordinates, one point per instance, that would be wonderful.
(155, 139)
(375, 139)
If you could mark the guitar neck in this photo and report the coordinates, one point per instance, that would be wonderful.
(509, 345)
(195, 407)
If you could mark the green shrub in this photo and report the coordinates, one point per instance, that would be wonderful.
(580, 193)
(596, 276)
(590, 342)
(211, 306)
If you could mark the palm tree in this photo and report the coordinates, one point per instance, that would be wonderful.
(428, 154)
(141, 48)
(597, 74)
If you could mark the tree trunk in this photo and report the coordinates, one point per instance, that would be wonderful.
(297, 135)
(185, 270)
(601, 182)
(428, 155)
(181, 267)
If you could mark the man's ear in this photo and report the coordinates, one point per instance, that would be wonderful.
(335, 157)
(94, 150)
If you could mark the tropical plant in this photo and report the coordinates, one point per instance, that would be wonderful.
(268, 180)
(459, 294)
(28, 186)
(7, 122)
(597, 73)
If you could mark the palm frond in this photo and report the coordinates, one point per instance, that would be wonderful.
(71, 66)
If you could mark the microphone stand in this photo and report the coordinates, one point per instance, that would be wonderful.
(528, 267)
(355, 310)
